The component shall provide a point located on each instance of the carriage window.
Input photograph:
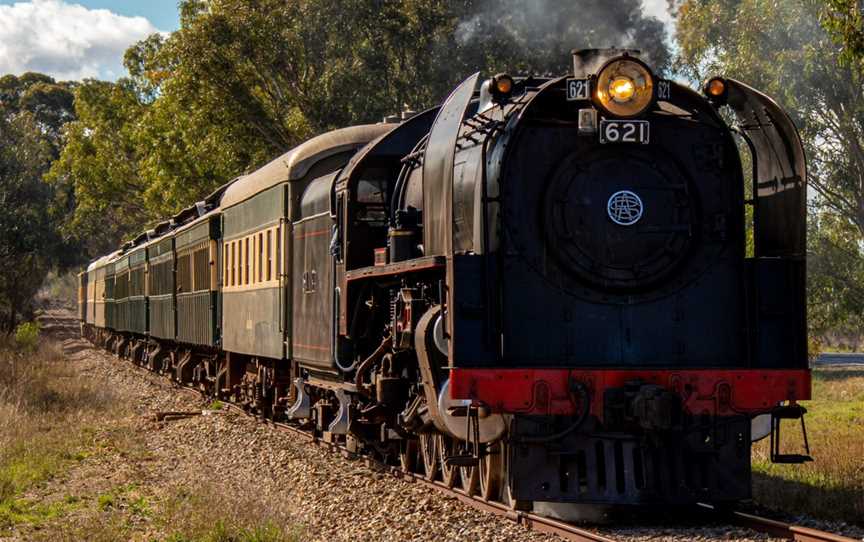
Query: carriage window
(184, 273)
(269, 256)
(260, 257)
(233, 263)
(246, 261)
(201, 268)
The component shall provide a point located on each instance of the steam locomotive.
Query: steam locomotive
(548, 291)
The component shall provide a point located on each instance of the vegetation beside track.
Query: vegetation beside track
(832, 486)
(52, 423)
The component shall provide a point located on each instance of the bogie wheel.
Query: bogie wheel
(469, 476)
(490, 473)
(447, 447)
(409, 449)
(429, 452)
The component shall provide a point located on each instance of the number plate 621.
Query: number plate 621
(624, 131)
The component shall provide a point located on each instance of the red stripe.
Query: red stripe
(312, 347)
(547, 391)
(311, 234)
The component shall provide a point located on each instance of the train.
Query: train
(553, 292)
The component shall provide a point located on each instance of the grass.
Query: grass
(208, 516)
(831, 487)
(204, 515)
(43, 408)
(52, 420)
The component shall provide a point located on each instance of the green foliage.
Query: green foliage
(844, 19)
(781, 48)
(27, 336)
(33, 110)
(49, 102)
(242, 81)
(100, 164)
(28, 240)
(835, 270)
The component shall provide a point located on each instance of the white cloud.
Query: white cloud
(67, 41)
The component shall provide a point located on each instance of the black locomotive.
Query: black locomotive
(548, 290)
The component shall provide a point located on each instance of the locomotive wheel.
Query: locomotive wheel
(409, 450)
(506, 492)
(469, 476)
(429, 451)
(447, 447)
(489, 473)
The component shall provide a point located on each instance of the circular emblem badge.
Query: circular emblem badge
(624, 208)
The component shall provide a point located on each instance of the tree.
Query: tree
(27, 237)
(844, 19)
(50, 103)
(836, 275)
(100, 161)
(243, 81)
(781, 48)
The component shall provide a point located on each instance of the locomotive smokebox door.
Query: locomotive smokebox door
(619, 227)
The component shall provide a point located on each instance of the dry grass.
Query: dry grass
(51, 421)
(45, 413)
(207, 515)
(831, 487)
(210, 516)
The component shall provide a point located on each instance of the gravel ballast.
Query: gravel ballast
(326, 495)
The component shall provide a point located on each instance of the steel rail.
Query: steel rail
(775, 527)
(531, 521)
(786, 530)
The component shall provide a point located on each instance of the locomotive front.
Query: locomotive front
(624, 304)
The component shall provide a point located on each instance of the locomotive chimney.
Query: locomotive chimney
(588, 61)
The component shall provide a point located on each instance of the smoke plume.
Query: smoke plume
(538, 35)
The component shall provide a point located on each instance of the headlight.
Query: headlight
(625, 87)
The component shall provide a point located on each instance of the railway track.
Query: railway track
(565, 530)
(785, 530)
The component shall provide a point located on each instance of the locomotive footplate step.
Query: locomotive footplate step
(788, 412)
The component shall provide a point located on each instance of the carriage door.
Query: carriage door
(312, 281)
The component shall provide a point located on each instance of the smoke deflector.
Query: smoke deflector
(779, 172)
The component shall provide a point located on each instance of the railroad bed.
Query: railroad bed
(330, 494)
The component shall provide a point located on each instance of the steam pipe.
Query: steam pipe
(402, 180)
(367, 363)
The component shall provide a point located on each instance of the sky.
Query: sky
(77, 39)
